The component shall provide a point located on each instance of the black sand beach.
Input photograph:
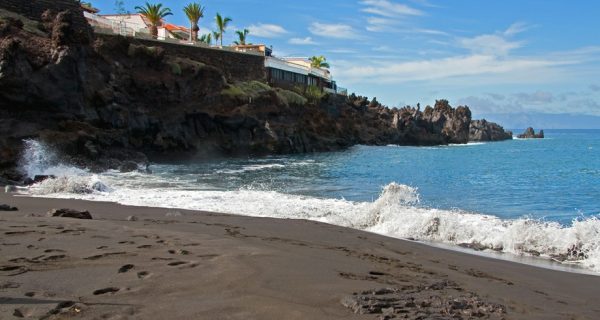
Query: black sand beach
(156, 263)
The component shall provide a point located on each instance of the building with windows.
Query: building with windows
(298, 72)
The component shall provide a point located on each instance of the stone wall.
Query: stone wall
(33, 9)
(235, 66)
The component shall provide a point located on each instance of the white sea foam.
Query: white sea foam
(39, 159)
(395, 213)
(255, 167)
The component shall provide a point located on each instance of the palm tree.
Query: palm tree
(242, 35)
(154, 13)
(216, 35)
(222, 25)
(319, 62)
(206, 38)
(194, 11)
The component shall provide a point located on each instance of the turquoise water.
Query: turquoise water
(557, 178)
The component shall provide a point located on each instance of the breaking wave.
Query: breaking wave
(396, 212)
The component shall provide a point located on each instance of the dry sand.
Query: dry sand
(178, 264)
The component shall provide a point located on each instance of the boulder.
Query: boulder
(5, 207)
(69, 213)
(530, 134)
(128, 166)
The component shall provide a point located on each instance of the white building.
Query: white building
(135, 24)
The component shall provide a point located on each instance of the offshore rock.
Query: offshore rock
(483, 130)
(530, 134)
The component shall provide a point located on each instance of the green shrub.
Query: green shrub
(291, 97)
(314, 94)
(249, 89)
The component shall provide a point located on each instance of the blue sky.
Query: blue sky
(500, 58)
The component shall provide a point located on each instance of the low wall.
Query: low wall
(236, 66)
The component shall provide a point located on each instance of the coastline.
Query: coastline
(220, 266)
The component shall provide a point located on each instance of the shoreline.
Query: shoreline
(222, 266)
(533, 261)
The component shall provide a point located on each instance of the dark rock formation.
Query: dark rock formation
(69, 213)
(482, 130)
(530, 134)
(115, 103)
(5, 207)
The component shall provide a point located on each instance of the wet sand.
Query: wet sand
(179, 264)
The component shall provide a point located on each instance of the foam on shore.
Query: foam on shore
(396, 212)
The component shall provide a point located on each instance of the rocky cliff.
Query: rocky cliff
(104, 102)
(483, 130)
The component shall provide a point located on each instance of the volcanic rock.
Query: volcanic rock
(530, 134)
(5, 207)
(69, 213)
(483, 130)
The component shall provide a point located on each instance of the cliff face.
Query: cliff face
(108, 101)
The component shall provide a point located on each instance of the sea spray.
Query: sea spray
(39, 159)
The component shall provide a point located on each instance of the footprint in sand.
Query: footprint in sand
(53, 250)
(17, 313)
(143, 274)
(55, 257)
(179, 251)
(104, 255)
(176, 263)
(12, 270)
(125, 268)
(106, 290)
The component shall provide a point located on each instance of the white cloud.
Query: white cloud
(484, 105)
(451, 67)
(535, 98)
(302, 41)
(342, 31)
(516, 28)
(389, 9)
(378, 24)
(489, 44)
(266, 30)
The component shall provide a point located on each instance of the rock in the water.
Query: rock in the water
(69, 213)
(483, 130)
(5, 207)
(530, 134)
(128, 166)
(132, 218)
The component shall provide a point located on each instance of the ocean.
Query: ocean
(525, 197)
